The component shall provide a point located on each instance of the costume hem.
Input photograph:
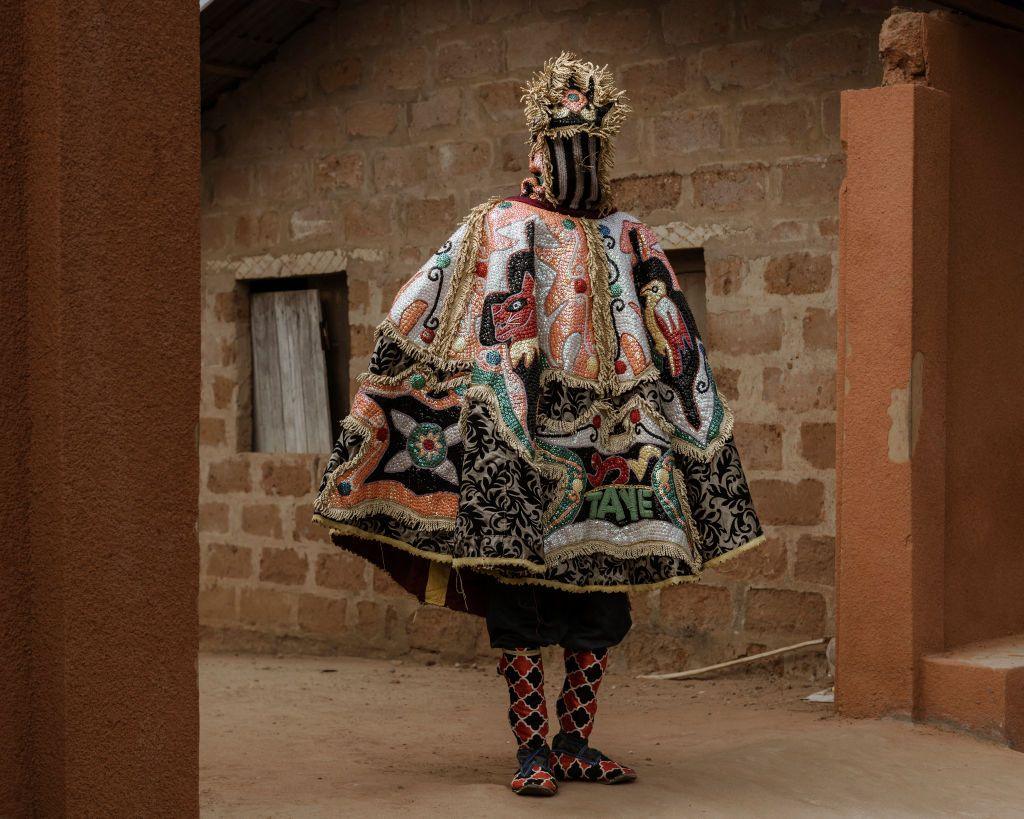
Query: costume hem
(482, 564)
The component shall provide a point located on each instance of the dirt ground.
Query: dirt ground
(297, 737)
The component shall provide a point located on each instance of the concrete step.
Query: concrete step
(979, 688)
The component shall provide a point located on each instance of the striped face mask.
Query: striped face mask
(575, 180)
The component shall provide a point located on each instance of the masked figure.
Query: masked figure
(540, 432)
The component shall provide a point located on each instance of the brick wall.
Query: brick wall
(379, 126)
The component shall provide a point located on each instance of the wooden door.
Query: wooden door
(291, 410)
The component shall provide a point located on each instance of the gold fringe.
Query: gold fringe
(640, 549)
(454, 562)
(739, 550)
(379, 506)
(616, 387)
(600, 303)
(343, 529)
(463, 274)
(388, 330)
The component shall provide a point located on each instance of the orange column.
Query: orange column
(891, 384)
(99, 343)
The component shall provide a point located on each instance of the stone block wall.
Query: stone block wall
(378, 126)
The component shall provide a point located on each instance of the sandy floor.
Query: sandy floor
(337, 737)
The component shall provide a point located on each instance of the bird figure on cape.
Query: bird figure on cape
(670, 325)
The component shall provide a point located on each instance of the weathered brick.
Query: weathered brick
(341, 571)
(370, 618)
(443, 107)
(760, 444)
(798, 273)
(468, 60)
(688, 130)
(217, 604)
(212, 432)
(605, 33)
(656, 86)
(322, 616)
(338, 74)
(213, 517)
(739, 65)
(403, 68)
(776, 123)
(695, 607)
(765, 561)
(306, 530)
(500, 101)
(263, 519)
(258, 230)
(818, 444)
(367, 222)
(901, 45)
(232, 184)
(798, 389)
(812, 181)
(778, 14)
(727, 380)
(643, 194)
(746, 331)
(684, 22)
(228, 560)
(283, 180)
(230, 475)
(267, 608)
(371, 118)
(788, 503)
(383, 585)
(430, 218)
(284, 478)
(226, 305)
(284, 88)
(819, 329)
(286, 566)
(399, 168)
(316, 221)
(339, 172)
(512, 151)
(816, 559)
(361, 339)
(453, 633)
(724, 276)
(827, 55)
(730, 188)
(783, 611)
(462, 158)
(316, 128)
(223, 391)
(651, 652)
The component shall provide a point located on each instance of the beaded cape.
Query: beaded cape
(539, 406)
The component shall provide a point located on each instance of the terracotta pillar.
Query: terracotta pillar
(891, 417)
(99, 344)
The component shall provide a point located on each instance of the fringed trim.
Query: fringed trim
(618, 587)
(455, 562)
(388, 330)
(633, 551)
(545, 89)
(393, 509)
(428, 373)
(463, 273)
(600, 304)
(353, 425)
(715, 562)
(617, 386)
(486, 396)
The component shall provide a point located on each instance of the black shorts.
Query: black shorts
(531, 616)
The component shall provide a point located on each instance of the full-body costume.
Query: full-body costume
(540, 431)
